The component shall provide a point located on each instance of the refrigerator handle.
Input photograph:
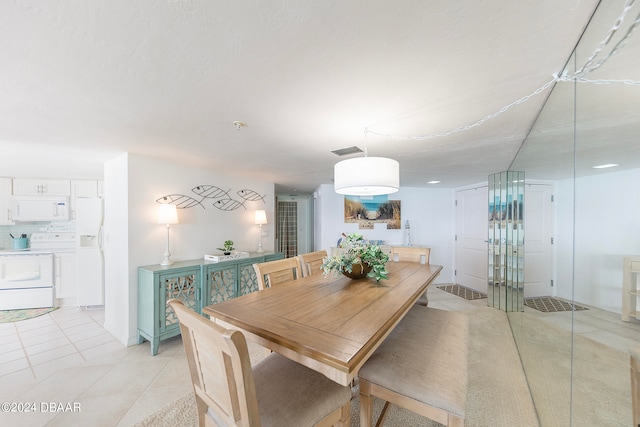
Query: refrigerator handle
(100, 231)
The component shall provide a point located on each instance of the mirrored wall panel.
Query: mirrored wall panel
(586, 145)
(505, 287)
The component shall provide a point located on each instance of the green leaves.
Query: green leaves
(356, 250)
(227, 246)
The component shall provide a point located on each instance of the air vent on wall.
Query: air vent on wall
(347, 151)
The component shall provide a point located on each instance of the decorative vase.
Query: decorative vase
(358, 271)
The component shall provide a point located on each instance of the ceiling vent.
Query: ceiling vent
(347, 151)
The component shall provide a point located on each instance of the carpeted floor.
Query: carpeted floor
(577, 382)
(498, 394)
(7, 316)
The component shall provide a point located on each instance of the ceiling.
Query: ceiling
(83, 81)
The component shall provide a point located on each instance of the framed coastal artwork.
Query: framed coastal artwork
(369, 210)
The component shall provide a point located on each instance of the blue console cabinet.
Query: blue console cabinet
(197, 283)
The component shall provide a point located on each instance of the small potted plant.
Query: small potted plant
(227, 247)
(357, 258)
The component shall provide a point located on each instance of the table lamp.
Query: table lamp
(167, 214)
(261, 218)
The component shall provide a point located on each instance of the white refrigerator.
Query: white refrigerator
(90, 261)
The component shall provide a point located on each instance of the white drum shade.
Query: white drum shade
(366, 176)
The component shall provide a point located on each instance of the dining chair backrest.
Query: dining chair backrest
(410, 253)
(213, 354)
(275, 391)
(311, 262)
(272, 273)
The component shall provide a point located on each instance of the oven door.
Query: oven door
(25, 271)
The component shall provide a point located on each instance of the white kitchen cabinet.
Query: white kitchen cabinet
(65, 277)
(84, 188)
(41, 187)
(5, 202)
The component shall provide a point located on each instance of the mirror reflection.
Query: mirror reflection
(576, 359)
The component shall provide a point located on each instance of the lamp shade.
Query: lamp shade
(167, 214)
(261, 217)
(366, 176)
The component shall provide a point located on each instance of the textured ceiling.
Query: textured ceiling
(83, 81)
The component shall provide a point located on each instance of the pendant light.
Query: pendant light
(366, 176)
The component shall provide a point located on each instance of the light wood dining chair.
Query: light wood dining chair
(412, 254)
(275, 392)
(311, 262)
(272, 273)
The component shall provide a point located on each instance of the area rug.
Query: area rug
(498, 395)
(7, 316)
(463, 292)
(552, 304)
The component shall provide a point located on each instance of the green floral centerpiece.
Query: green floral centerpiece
(227, 247)
(357, 258)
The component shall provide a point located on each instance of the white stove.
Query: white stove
(53, 241)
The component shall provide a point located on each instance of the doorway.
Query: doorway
(294, 225)
(538, 240)
(472, 228)
(472, 224)
(287, 228)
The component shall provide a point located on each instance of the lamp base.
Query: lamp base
(166, 262)
(260, 250)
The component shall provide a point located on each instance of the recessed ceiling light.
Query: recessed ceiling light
(608, 165)
(433, 182)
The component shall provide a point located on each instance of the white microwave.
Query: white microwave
(40, 208)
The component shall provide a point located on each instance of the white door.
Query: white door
(472, 230)
(538, 232)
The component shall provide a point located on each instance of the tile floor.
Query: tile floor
(65, 357)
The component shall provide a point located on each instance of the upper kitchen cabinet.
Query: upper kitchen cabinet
(41, 187)
(5, 202)
(84, 188)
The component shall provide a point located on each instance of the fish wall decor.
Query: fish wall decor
(251, 195)
(224, 202)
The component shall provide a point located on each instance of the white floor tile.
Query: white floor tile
(13, 366)
(53, 355)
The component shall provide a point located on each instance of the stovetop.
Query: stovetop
(53, 241)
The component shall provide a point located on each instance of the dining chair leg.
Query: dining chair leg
(366, 405)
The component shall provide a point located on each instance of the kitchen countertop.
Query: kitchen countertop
(28, 251)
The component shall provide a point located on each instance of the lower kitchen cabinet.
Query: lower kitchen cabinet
(65, 277)
(196, 283)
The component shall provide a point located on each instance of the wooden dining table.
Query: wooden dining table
(330, 324)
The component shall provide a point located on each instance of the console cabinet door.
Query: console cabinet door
(247, 279)
(179, 285)
(220, 283)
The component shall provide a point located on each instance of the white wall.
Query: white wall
(132, 185)
(430, 213)
(118, 292)
(607, 228)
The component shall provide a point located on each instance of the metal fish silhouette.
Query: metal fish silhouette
(180, 200)
(228, 204)
(251, 195)
(210, 191)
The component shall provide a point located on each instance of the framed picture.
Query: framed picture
(368, 210)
